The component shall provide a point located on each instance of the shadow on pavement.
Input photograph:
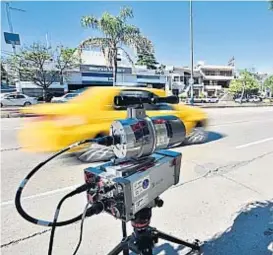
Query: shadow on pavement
(214, 136)
(250, 234)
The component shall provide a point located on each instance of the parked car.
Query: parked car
(254, 99)
(64, 98)
(17, 99)
(238, 100)
(91, 114)
(195, 100)
(212, 99)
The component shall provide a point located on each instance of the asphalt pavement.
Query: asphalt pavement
(224, 197)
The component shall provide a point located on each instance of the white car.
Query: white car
(16, 99)
(254, 99)
(64, 98)
(212, 99)
(238, 100)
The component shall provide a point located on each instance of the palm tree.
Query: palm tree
(116, 33)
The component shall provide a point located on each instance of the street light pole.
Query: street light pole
(191, 82)
(10, 26)
(8, 8)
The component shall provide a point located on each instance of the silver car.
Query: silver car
(64, 98)
(17, 99)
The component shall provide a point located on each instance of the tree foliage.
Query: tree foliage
(147, 59)
(246, 82)
(116, 33)
(65, 59)
(42, 65)
(268, 83)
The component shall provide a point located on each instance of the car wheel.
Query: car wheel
(27, 103)
(96, 153)
(197, 136)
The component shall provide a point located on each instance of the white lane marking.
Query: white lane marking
(254, 143)
(10, 129)
(238, 122)
(44, 194)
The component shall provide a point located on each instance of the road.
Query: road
(224, 197)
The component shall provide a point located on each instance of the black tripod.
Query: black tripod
(144, 237)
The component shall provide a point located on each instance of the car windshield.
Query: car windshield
(68, 96)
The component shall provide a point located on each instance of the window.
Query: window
(136, 93)
(20, 96)
(164, 106)
(176, 78)
(10, 96)
(70, 95)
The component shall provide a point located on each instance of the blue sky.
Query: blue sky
(221, 29)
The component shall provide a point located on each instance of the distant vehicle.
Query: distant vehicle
(195, 100)
(212, 99)
(254, 99)
(238, 100)
(64, 98)
(7, 89)
(17, 99)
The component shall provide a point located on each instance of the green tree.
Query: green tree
(66, 59)
(115, 34)
(268, 83)
(147, 59)
(42, 65)
(161, 69)
(244, 84)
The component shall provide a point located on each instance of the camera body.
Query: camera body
(129, 185)
(142, 169)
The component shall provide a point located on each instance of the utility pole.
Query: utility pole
(8, 8)
(191, 81)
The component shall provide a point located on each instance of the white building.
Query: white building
(209, 80)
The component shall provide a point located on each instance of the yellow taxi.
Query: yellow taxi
(90, 115)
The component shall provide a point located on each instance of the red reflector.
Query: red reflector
(160, 121)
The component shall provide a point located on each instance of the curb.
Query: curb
(234, 106)
(15, 115)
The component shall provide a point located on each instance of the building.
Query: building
(209, 80)
(94, 71)
(215, 78)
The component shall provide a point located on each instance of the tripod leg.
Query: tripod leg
(122, 246)
(167, 237)
(124, 234)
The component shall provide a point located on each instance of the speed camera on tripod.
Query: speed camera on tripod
(143, 170)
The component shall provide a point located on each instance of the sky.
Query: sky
(221, 29)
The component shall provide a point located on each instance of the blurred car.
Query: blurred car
(91, 114)
(17, 99)
(254, 99)
(64, 98)
(195, 100)
(212, 99)
(238, 100)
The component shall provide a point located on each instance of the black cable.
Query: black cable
(81, 230)
(95, 209)
(54, 225)
(18, 205)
